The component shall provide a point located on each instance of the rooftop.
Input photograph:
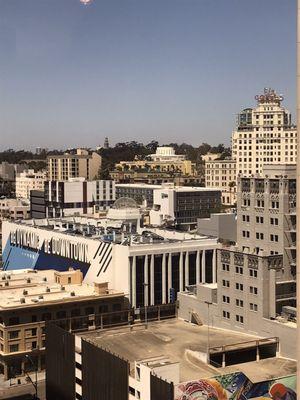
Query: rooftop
(24, 288)
(183, 342)
(110, 231)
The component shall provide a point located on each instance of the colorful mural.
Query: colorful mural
(237, 387)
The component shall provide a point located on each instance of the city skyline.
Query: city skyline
(138, 70)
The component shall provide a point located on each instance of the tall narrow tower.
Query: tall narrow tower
(298, 201)
(106, 143)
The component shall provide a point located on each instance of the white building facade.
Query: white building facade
(264, 135)
(29, 180)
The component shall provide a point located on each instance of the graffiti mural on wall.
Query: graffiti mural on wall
(237, 387)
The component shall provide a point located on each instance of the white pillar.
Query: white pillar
(146, 287)
(214, 266)
(152, 280)
(203, 279)
(186, 269)
(181, 272)
(198, 267)
(163, 279)
(169, 275)
(133, 282)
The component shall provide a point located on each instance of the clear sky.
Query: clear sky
(170, 70)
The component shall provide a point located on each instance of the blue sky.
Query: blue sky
(170, 70)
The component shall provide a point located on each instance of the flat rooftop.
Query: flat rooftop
(183, 342)
(88, 229)
(28, 288)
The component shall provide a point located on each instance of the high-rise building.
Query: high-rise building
(79, 164)
(29, 180)
(106, 143)
(264, 135)
(221, 174)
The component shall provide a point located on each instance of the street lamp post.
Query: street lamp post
(208, 341)
(34, 384)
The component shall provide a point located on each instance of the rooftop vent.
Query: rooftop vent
(22, 300)
(45, 279)
(41, 296)
(34, 300)
(28, 280)
(25, 292)
(72, 294)
(62, 288)
(6, 283)
(47, 289)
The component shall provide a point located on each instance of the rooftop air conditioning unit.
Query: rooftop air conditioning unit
(22, 300)
(63, 288)
(41, 297)
(47, 289)
(25, 292)
(72, 294)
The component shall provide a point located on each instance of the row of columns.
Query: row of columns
(149, 264)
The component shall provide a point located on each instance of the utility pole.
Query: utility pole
(298, 200)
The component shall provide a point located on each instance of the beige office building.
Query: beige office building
(30, 298)
(81, 164)
(264, 135)
(221, 174)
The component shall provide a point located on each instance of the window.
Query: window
(225, 267)
(226, 314)
(274, 221)
(260, 203)
(253, 307)
(239, 303)
(253, 290)
(246, 218)
(239, 318)
(13, 348)
(226, 299)
(259, 220)
(239, 286)
(275, 204)
(253, 273)
(226, 283)
(239, 270)
(274, 238)
(13, 334)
